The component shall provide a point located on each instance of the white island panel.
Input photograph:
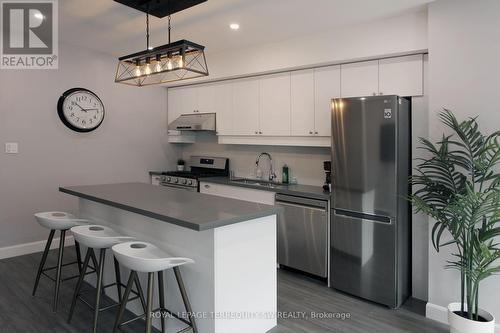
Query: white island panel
(234, 271)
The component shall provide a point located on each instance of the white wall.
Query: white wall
(401, 34)
(464, 72)
(305, 163)
(130, 142)
(404, 33)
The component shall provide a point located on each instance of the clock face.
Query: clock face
(80, 110)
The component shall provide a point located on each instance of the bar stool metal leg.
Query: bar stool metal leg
(161, 290)
(44, 259)
(59, 267)
(102, 258)
(140, 292)
(118, 279)
(79, 284)
(185, 298)
(123, 305)
(149, 306)
(78, 256)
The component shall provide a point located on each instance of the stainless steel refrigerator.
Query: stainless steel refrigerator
(370, 231)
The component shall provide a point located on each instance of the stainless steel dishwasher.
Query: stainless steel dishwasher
(303, 234)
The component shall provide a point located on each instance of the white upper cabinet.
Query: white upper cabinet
(223, 107)
(359, 79)
(401, 76)
(206, 98)
(293, 108)
(174, 104)
(246, 105)
(275, 105)
(302, 103)
(326, 87)
(182, 101)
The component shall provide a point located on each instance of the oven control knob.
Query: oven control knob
(168, 179)
(190, 182)
(176, 180)
(162, 178)
(184, 181)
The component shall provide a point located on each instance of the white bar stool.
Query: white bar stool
(147, 258)
(57, 221)
(102, 238)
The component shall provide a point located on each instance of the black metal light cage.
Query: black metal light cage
(175, 61)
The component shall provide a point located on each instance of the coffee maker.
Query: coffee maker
(327, 166)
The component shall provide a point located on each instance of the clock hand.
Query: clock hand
(80, 107)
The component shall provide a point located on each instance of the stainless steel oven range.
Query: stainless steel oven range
(200, 167)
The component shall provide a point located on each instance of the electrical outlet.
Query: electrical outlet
(11, 148)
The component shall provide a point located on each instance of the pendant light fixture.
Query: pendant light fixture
(175, 61)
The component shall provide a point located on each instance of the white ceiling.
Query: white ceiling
(113, 28)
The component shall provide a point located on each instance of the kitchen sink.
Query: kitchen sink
(257, 182)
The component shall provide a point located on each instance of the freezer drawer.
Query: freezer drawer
(363, 256)
(303, 234)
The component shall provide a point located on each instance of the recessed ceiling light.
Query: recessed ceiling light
(234, 26)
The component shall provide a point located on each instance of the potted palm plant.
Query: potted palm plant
(458, 186)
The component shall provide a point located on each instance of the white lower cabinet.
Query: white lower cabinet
(236, 192)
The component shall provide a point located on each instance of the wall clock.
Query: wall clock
(80, 110)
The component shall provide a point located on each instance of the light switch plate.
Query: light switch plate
(11, 148)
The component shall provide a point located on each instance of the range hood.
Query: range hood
(194, 122)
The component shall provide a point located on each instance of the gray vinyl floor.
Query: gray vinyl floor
(299, 296)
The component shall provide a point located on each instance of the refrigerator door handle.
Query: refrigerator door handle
(369, 217)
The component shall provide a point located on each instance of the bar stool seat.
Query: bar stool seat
(100, 237)
(57, 221)
(148, 258)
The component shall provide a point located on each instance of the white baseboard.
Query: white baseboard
(34, 247)
(440, 313)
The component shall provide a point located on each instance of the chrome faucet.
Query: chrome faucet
(272, 174)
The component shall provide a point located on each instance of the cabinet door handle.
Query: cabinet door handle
(380, 93)
(256, 132)
(206, 186)
(260, 132)
(374, 94)
(310, 132)
(315, 132)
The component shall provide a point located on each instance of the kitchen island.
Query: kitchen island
(232, 285)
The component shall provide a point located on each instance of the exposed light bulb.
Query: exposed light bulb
(147, 68)
(138, 67)
(158, 63)
(169, 64)
(181, 62)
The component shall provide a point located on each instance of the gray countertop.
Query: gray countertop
(308, 191)
(184, 208)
